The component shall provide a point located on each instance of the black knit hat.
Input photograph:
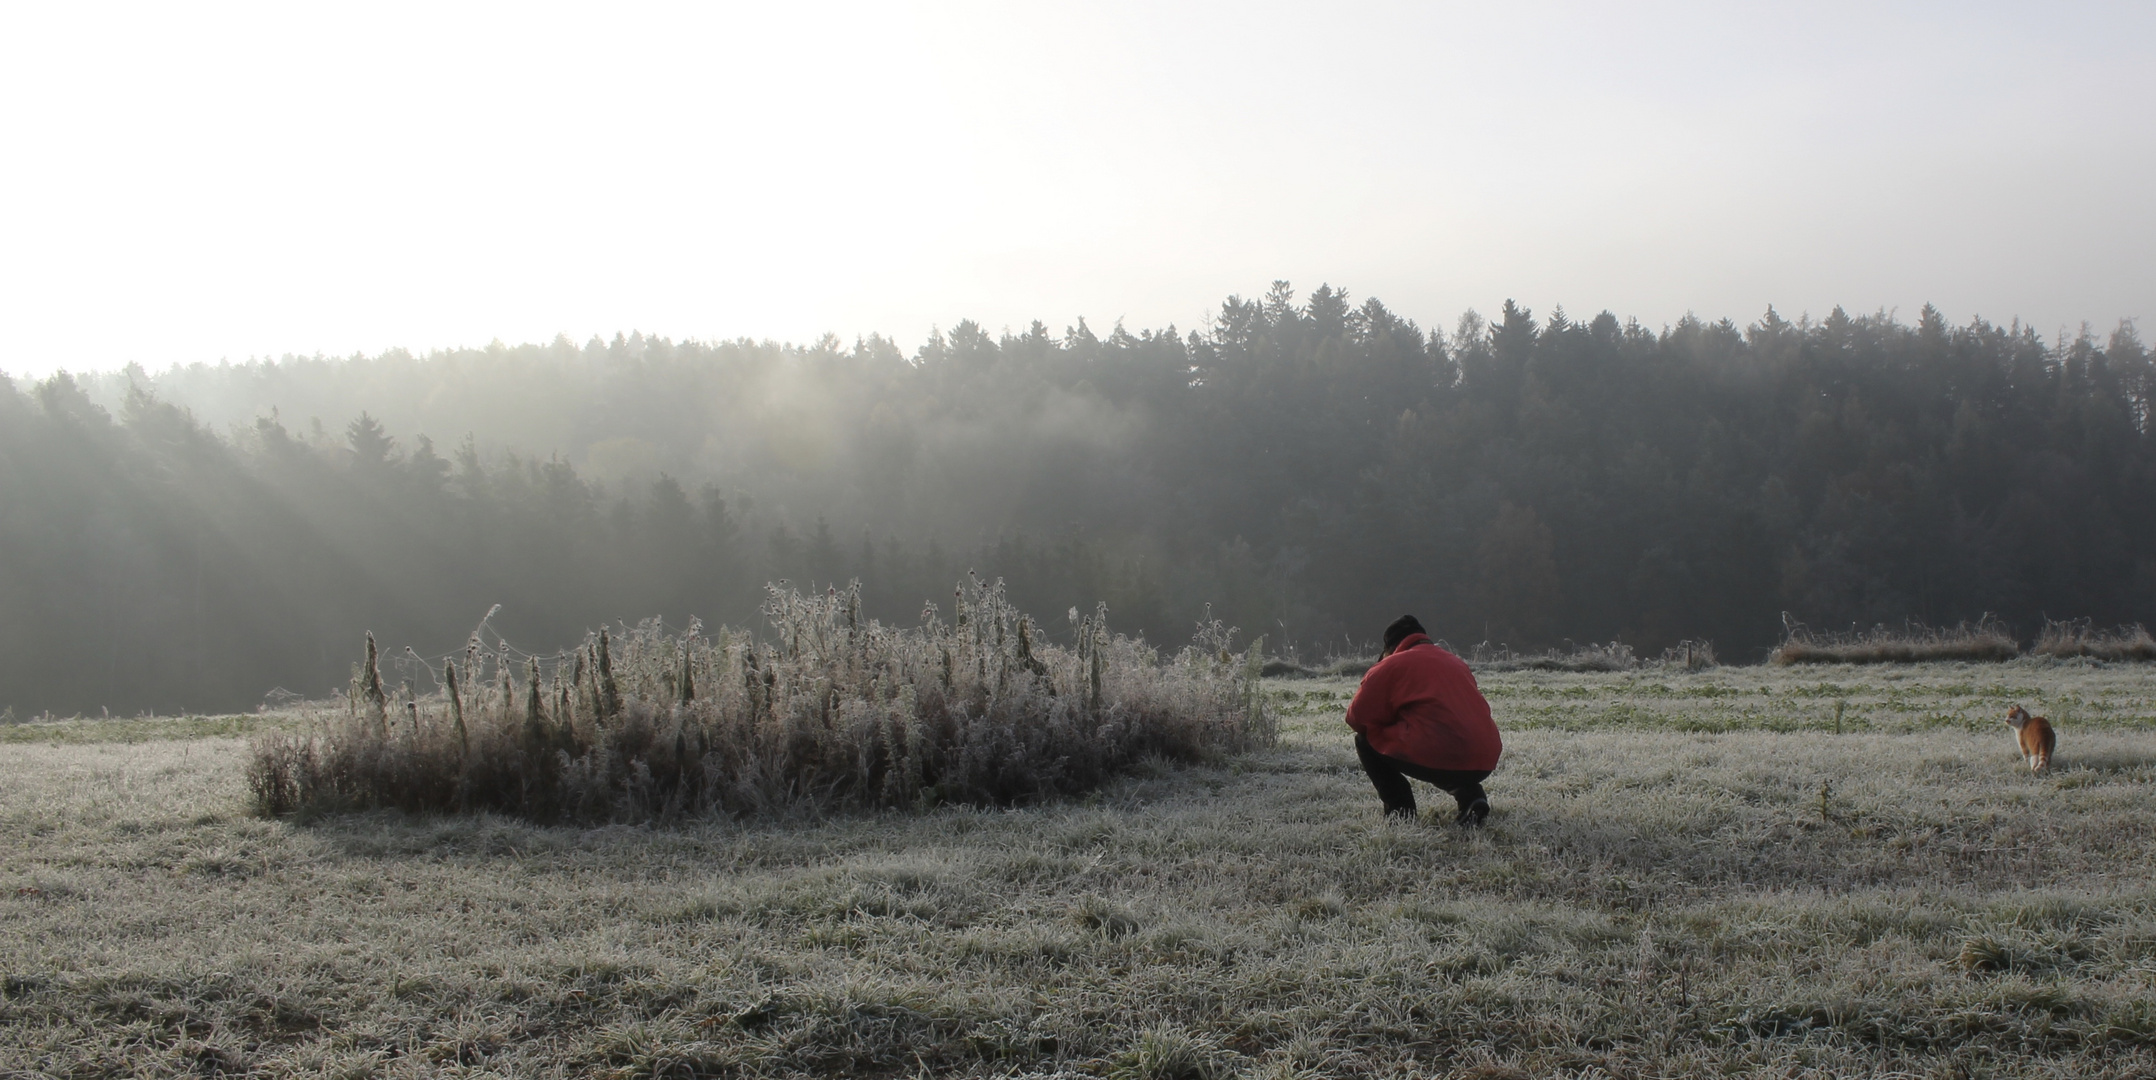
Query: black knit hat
(1399, 631)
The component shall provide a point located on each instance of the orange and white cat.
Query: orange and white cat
(2037, 738)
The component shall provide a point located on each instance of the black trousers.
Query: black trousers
(1390, 775)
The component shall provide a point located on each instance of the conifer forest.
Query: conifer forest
(1309, 466)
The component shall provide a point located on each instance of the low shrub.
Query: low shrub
(1986, 640)
(1345, 667)
(830, 711)
(2080, 638)
(1690, 656)
(1615, 656)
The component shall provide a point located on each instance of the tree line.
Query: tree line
(1308, 467)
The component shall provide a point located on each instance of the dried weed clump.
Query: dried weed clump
(2080, 637)
(831, 711)
(1986, 640)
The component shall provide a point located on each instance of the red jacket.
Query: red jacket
(1420, 705)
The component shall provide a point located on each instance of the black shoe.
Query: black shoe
(1473, 814)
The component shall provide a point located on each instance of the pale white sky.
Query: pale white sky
(185, 183)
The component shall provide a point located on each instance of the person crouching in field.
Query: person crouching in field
(1418, 713)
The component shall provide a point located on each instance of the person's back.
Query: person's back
(1419, 714)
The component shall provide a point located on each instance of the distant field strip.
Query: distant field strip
(1654, 896)
(1972, 697)
(140, 729)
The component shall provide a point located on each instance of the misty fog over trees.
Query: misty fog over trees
(195, 537)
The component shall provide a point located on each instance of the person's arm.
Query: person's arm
(1370, 707)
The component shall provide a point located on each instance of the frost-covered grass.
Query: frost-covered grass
(1686, 874)
(1986, 639)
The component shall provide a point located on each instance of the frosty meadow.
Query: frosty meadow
(1692, 872)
